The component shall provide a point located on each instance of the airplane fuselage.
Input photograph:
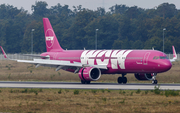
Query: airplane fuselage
(117, 61)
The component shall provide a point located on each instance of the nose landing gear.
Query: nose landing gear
(154, 81)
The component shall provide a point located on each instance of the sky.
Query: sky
(91, 4)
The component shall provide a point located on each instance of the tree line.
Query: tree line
(122, 27)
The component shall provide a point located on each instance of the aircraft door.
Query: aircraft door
(145, 59)
(55, 55)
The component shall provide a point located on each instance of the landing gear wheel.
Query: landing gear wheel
(88, 82)
(83, 82)
(119, 80)
(154, 82)
(124, 80)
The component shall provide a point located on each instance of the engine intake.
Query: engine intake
(89, 74)
(143, 76)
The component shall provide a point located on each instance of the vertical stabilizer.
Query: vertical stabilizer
(52, 44)
(174, 55)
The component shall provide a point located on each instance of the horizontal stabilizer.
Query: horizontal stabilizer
(30, 55)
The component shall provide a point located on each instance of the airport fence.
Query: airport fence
(20, 56)
(170, 56)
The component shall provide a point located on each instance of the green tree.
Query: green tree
(166, 10)
(122, 27)
(40, 9)
(154, 42)
(133, 12)
(117, 44)
(121, 9)
(77, 30)
(138, 44)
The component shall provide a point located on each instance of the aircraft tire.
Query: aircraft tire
(83, 82)
(88, 82)
(124, 80)
(154, 82)
(119, 80)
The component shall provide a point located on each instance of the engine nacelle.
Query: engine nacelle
(89, 74)
(143, 76)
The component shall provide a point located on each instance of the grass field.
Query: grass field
(83, 101)
(88, 101)
(13, 71)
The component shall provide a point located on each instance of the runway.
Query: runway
(76, 85)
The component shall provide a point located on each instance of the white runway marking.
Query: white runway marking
(65, 85)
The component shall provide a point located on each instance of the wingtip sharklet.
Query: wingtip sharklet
(5, 56)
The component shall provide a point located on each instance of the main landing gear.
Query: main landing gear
(154, 81)
(122, 79)
(85, 82)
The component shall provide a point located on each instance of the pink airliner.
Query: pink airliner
(91, 64)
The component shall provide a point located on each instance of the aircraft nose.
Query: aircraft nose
(165, 66)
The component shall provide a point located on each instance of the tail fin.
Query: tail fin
(52, 44)
(174, 53)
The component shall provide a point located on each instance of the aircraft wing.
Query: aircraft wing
(59, 64)
(54, 63)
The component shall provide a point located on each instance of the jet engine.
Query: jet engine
(89, 74)
(143, 76)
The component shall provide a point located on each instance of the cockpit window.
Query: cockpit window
(163, 57)
(160, 57)
(156, 57)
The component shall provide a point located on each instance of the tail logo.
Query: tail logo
(49, 38)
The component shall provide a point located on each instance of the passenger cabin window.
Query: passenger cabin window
(163, 57)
